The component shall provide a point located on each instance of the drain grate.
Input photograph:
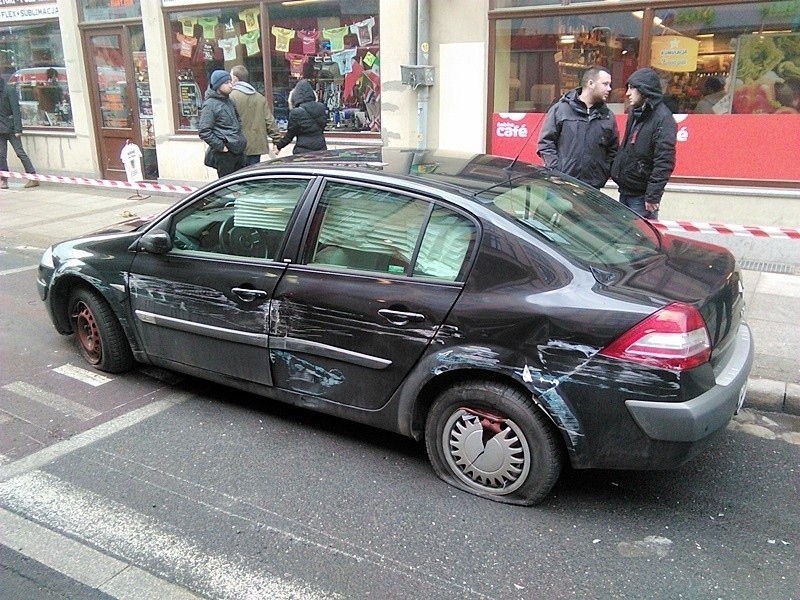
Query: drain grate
(769, 267)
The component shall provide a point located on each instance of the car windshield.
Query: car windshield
(583, 223)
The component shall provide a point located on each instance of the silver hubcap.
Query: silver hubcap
(487, 452)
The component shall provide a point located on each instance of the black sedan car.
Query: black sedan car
(511, 317)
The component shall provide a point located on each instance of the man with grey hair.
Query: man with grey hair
(258, 124)
(579, 136)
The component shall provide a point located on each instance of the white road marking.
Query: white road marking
(141, 539)
(63, 405)
(19, 270)
(51, 453)
(84, 564)
(83, 375)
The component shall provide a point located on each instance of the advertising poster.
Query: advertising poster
(767, 74)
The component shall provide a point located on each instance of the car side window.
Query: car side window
(371, 229)
(247, 218)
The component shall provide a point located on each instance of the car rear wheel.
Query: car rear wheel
(490, 440)
(98, 333)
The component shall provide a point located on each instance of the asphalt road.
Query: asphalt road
(150, 485)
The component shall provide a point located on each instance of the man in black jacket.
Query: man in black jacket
(220, 126)
(646, 158)
(579, 136)
(307, 120)
(11, 132)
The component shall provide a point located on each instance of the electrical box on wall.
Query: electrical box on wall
(416, 75)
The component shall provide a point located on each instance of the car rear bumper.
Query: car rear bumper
(698, 418)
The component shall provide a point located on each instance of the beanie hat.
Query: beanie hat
(646, 80)
(218, 77)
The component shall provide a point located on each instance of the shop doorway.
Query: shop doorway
(122, 105)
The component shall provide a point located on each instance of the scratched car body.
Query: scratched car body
(513, 319)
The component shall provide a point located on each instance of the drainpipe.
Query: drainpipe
(423, 59)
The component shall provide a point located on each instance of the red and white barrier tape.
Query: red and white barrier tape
(125, 185)
(783, 233)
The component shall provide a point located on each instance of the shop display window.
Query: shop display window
(538, 59)
(206, 40)
(336, 46)
(32, 63)
(729, 59)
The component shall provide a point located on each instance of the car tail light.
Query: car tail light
(673, 338)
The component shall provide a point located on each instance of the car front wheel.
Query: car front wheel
(98, 333)
(491, 440)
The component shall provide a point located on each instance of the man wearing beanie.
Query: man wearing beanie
(220, 126)
(646, 157)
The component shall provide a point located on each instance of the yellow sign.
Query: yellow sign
(674, 53)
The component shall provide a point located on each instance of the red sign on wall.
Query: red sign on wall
(754, 147)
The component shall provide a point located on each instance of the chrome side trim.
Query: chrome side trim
(326, 351)
(220, 333)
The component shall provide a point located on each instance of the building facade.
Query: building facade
(473, 75)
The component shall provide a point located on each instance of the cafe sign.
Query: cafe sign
(674, 53)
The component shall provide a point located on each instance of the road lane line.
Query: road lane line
(82, 375)
(59, 403)
(57, 450)
(81, 563)
(143, 540)
(19, 270)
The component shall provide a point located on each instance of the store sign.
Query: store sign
(21, 10)
(752, 147)
(674, 53)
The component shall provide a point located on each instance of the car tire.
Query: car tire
(98, 333)
(491, 440)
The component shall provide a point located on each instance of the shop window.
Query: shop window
(538, 59)
(336, 46)
(206, 40)
(723, 59)
(32, 63)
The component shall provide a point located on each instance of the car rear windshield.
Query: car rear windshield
(583, 223)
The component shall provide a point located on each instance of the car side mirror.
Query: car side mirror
(156, 241)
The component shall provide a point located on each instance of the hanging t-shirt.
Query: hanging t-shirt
(209, 25)
(207, 49)
(363, 29)
(336, 36)
(282, 38)
(187, 44)
(296, 62)
(229, 46)
(309, 39)
(350, 80)
(187, 26)
(250, 18)
(344, 60)
(250, 41)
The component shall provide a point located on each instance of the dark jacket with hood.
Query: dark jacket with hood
(307, 121)
(646, 157)
(219, 125)
(579, 141)
(10, 116)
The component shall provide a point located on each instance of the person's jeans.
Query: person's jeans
(16, 144)
(636, 204)
(252, 159)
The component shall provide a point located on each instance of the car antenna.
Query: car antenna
(510, 167)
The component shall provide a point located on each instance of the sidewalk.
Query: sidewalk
(55, 212)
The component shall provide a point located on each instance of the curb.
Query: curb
(773, 396)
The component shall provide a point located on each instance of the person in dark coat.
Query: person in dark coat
(220, 126)
(579, 136)
(307, 120)
(646, 157)
(11, 132)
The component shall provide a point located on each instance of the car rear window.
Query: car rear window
(583, 223)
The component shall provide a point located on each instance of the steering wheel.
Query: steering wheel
(241, 241)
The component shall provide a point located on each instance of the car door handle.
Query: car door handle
(249, 294)
(400, 317)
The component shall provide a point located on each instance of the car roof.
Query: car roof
(468, 172)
